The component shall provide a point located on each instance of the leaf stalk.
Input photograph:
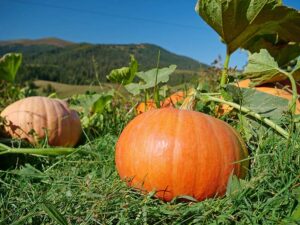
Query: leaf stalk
(224, 76)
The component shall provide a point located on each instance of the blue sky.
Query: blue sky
(173, 25)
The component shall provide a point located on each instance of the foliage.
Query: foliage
(253, 25)
(99, 113)
(124, 75)
(262, 68)
(239, 23)
(9, 91)
(150, 79)
(265, 104)
(9, 65)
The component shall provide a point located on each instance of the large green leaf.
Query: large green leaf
(124, 75)
(267, 105)
(238, 22)
(150, 78)
(262, 68)
(282, 51)
(9, 65)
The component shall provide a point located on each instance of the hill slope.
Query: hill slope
(62, 61)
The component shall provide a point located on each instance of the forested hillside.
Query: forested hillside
(58, 60)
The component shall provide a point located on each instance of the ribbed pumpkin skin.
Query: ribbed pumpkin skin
(179, 152)
(44, 116)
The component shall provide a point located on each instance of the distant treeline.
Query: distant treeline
(82, 63)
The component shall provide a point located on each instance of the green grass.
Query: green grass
(84, 188)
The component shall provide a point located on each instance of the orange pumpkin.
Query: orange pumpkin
(36, 118)
(179, 152)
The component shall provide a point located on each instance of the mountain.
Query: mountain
(78, 63)
(44, 41)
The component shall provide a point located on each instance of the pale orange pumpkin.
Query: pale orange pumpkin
(180, 152)
(36, 118)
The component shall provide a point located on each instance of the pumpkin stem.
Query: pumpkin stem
(189, 101)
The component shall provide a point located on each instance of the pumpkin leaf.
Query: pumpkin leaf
(163, 75)
(54, 214)
(124, 75)
(9, 65)
(148, 79)
(89, 104)
(99, 105)
(238, 22)
(282, 51)
(267, 105)
(262, 68)
(134, 88)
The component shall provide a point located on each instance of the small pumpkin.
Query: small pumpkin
(174, 99)
(170, 101)
(36, 118)
(179, 152)
(143, 107)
